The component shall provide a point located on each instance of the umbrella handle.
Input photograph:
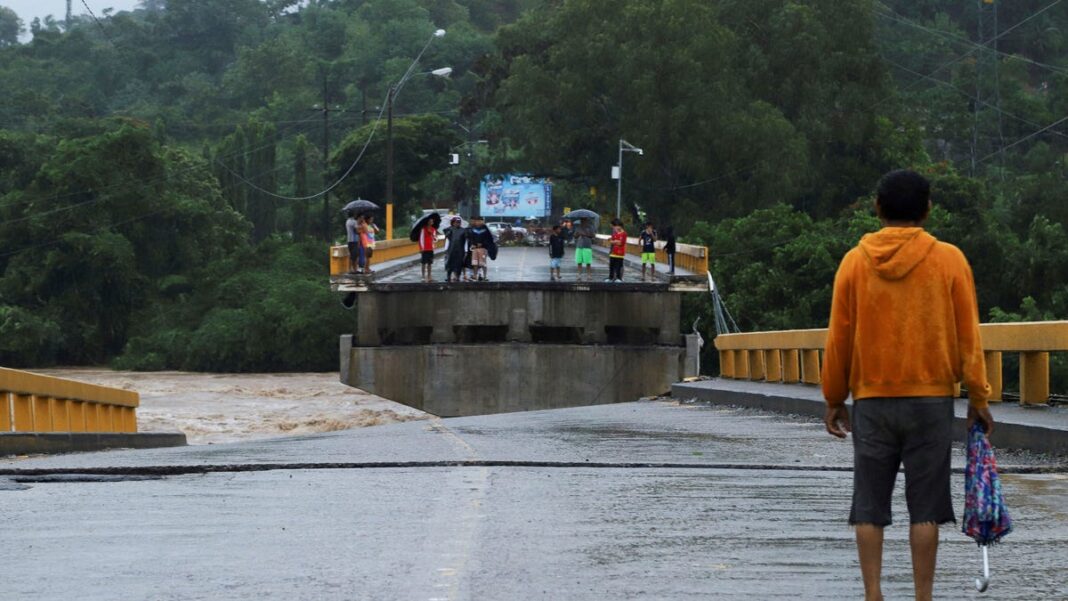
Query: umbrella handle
(981, 584)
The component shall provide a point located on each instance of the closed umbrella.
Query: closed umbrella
(360, 206)
(421, 223)
(986, 520)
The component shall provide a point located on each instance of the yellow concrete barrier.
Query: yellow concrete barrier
(690, 257)
(36, 403)
(385, 250)
(800, 352)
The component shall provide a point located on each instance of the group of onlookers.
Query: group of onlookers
(468, 249)
(360, 232)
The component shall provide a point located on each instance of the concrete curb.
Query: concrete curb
(29, 443)
(1015, 426)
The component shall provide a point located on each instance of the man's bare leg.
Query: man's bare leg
(870, 551)
(923, 539)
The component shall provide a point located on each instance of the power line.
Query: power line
(899, 18)
(1024, 139)
(969, 96)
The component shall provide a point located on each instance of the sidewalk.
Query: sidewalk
(1038, 429)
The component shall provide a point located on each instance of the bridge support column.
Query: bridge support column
(993, 375)
(443, 332)
(367, 319)
(518, 329)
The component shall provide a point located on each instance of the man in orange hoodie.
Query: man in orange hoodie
(904, 330)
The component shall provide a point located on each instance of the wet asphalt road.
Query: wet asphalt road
(551, 531)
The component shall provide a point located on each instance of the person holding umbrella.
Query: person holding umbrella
(904, 330)
(425, 233)
(352, 232)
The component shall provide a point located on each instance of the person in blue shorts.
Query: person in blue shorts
(556, 253)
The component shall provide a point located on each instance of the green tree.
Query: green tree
(10, 27)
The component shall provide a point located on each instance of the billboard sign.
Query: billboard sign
(515, 195)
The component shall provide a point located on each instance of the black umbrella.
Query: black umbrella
(360, 206)
(584, 214)
(421, 223)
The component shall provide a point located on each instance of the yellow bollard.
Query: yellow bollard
(726, 364)
(5, 411)
(42, 414)
(773, 366)
(77, 416)
(810, 366)
(791, 369)
(1034, 378)
(741, 365)
(389, 221)
(993, 375)
(756, 365)
(60, 418)
(22, 414)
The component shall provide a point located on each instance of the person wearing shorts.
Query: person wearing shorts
(556, 253)
(904, 330)
(584, 250)
(648, 241)
(352, 232)
(428, 237)
(616, 252)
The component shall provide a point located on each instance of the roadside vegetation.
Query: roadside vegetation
(140, 155)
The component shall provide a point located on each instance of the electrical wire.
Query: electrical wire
(1024, 139)
(393, 90)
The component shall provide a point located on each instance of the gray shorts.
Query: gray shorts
(916, 431)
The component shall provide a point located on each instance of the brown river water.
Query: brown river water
(215, 408)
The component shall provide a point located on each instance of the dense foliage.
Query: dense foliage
(158, 169)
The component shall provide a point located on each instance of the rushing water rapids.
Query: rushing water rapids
(213, 408)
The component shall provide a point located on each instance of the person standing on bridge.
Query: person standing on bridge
(584, 235)
(479, 242)
(456, 237)
(616, 252)
(352, 232)
(648, 241)
(904, 330)
(556, 253)
(428, 237)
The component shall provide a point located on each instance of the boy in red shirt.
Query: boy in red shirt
(427, 238)
(617, 252)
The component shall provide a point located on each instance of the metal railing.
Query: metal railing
(795, 356)
(36, 403)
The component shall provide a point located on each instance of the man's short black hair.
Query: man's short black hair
(904, 195)
(617, 222)
(556, 227)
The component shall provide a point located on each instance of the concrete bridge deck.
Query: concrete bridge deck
(647, 500)
(519, 267)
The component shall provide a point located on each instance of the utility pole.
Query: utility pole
(389, 144)
(67, 22)
(624, 146)
(326, 110)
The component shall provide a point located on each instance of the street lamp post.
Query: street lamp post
(624, 146)
(393, 90)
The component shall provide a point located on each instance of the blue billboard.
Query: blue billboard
(515, 195)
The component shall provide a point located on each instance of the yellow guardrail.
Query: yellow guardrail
(690, 257)
(35, 403)
(386, 250)
(794, 356)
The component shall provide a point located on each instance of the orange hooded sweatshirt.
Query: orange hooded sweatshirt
(904, 321)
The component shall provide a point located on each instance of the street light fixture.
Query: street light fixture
(624, 146)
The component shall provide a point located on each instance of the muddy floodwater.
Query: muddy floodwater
(215, 408)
